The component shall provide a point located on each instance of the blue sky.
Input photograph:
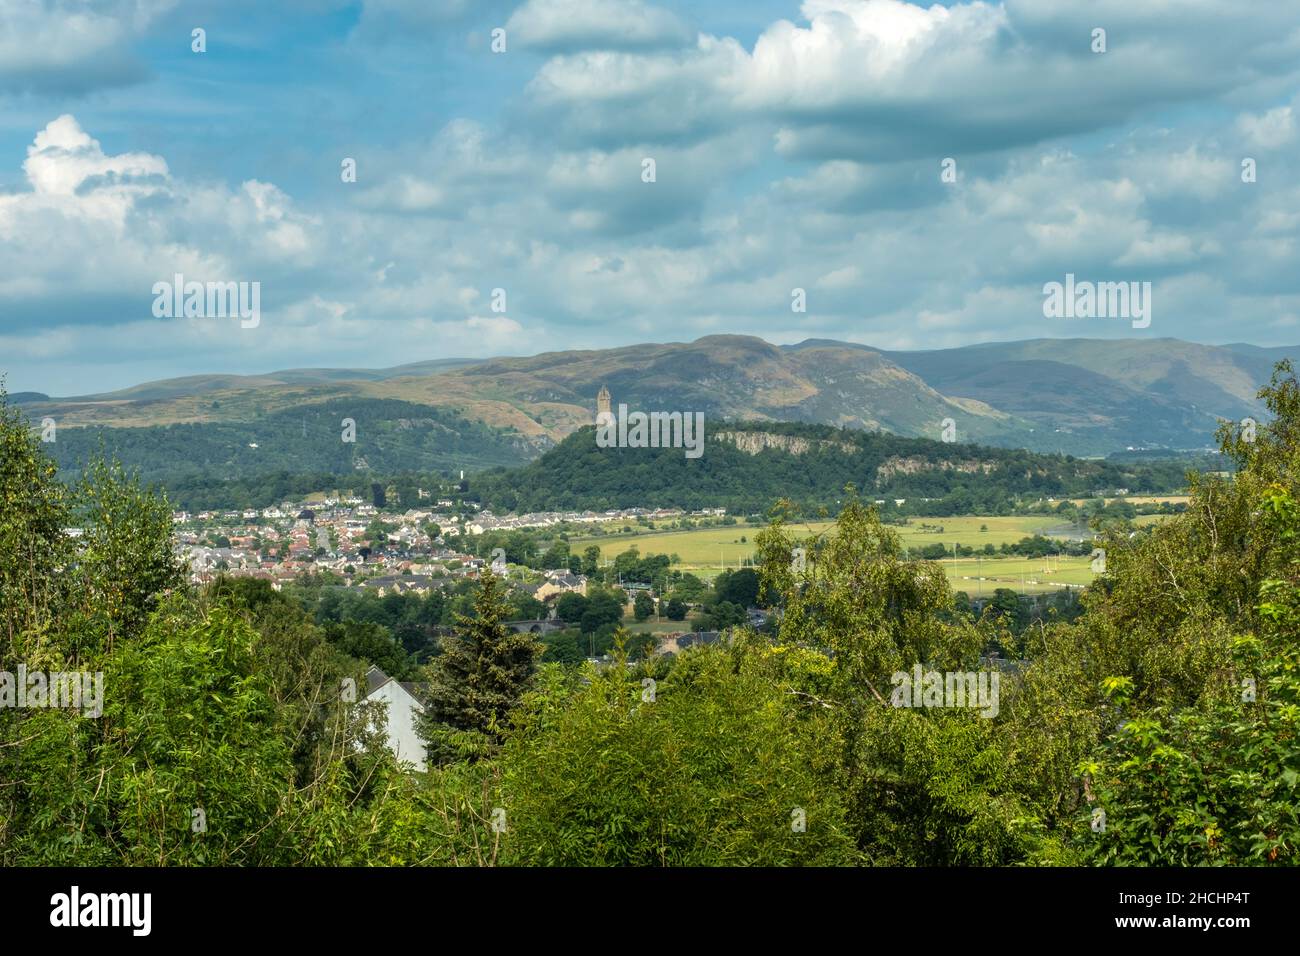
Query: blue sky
(796, 145)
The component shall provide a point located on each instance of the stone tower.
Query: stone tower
(602, 403)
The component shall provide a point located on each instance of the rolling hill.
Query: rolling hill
(1081, 397)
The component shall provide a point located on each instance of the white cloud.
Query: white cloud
(557, 25)
(71, 45)
(881, 80)
(101, 228)
(498, 329)
(1268, 130)
(846, 278)
(856, 50)
(606, 97)
(63, 157)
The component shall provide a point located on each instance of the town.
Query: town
(366, 547)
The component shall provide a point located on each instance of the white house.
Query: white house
(403, 709)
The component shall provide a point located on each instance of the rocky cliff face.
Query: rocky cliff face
(911, 466)
(754, 442)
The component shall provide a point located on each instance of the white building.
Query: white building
(404, 710)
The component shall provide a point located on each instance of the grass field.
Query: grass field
(1025, 575)
(918, 532)
(699, 548)
(1142, 499)
(706, 551)
(714, 548)
(1143, 521)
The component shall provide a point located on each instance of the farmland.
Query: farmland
(978, 576)
(706, 551)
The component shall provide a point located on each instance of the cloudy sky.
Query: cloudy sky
(795, 146)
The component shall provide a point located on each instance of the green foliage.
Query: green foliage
(719, 616)
(599, 608)
(222, 738)
(34, 510)
(482, 672)
(707, 773)
(562, 647)
(524, 607)
(643, 606)
(1217, 782)
(924, 786)
(413, 620)
(738, 587)
(373, 644)
(577, 474)
(392, 438)
(125, 562)
(571, 606)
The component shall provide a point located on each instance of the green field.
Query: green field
(919, 532)
(707, 551)
(1141, 521)
(703, 549)
(1025, 575)
(714, 548)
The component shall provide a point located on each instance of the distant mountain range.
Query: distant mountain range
(1083, 397)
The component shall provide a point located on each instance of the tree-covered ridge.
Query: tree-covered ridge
(211, 467)
(390, 436)
(578, 474)
(1159, 727)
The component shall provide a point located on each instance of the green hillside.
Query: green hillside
(391, 436)
(812, 469)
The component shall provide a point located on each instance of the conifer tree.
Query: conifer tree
(480, 676)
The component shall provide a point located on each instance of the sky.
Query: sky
(918, 172)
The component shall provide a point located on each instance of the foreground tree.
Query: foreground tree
(923, 786)
(1217, 783)
(1198, 758)
(34, 510)
(710, 764)
(1133, 735)
(484, 669)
